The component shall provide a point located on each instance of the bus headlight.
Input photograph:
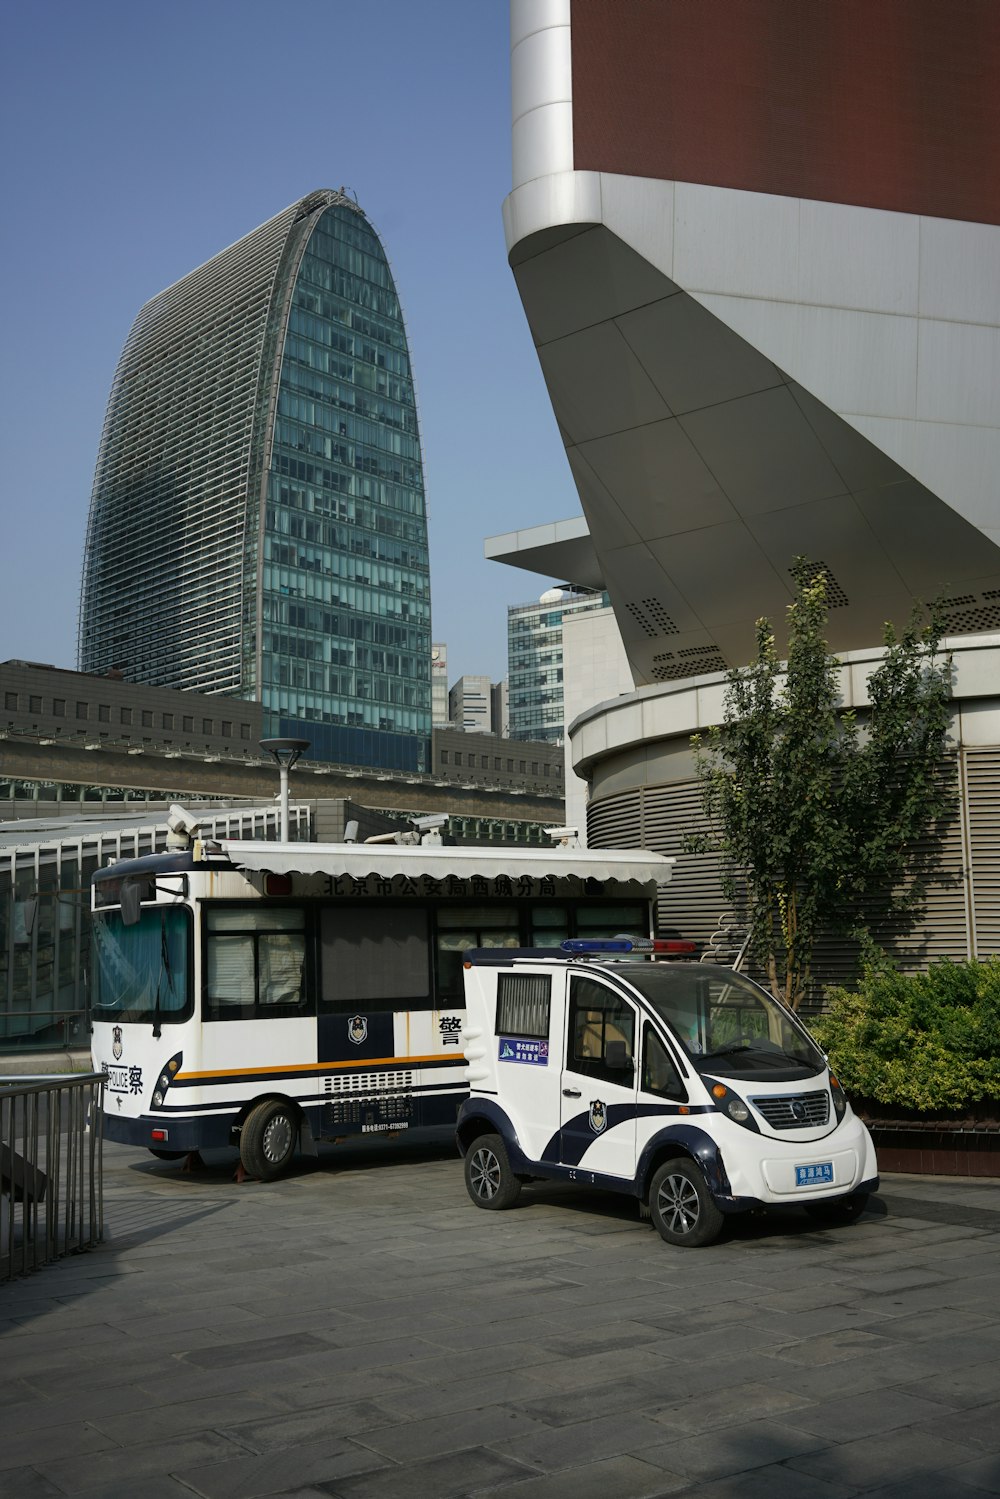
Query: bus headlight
(166, 1078)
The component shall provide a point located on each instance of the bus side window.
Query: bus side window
(374, 956)
(659, 1075)
(255, 962)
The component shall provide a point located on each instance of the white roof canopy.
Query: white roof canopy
(386, 860)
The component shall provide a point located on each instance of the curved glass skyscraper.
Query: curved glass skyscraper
(257, 526)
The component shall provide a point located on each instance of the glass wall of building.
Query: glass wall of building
(257, 526)
(345, 571)
(45, 916)
(535, 661)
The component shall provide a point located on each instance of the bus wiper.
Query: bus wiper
(164, 969)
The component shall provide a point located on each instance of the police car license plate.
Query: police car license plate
(814, 1176)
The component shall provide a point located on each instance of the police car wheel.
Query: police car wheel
(838, 1209)
(490, 1181)
(268, 1139)
(681, 1206)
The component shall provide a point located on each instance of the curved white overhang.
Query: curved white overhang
(682, 709)
(625, 866)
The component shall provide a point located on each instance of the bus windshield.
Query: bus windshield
(725, 1023)
(141, 971)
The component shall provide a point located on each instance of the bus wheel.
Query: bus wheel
(681, 1206)
(267, 1139)
(490, 1181)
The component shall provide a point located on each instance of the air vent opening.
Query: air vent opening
(808, 572)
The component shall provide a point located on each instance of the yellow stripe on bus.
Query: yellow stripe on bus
(362, 1063)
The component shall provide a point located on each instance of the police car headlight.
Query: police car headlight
(732, 1105)
(839, 1097)
(157, 1098)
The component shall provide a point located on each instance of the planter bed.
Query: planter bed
(967, 1146)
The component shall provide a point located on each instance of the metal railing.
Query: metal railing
(51, 1158)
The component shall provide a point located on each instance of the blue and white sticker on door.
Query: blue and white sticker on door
(535, 1053)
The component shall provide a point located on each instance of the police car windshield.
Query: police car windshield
(725, 1023)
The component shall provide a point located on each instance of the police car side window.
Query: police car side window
(659, 1075)
(601, 1041)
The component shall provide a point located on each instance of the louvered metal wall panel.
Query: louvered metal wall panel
(982, 779)
(659, 817)
(693, 901)
(616, 822)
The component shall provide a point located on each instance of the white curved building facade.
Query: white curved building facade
(758, 247)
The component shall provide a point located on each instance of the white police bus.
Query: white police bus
(268, 995)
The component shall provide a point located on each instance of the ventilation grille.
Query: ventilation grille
(692, 660)
(794, 1110)
(367, 1084)
(808, 572)
(651, 617)
(967, 612)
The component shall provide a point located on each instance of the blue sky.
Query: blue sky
(141, 137)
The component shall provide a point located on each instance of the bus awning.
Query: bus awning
(437, 862)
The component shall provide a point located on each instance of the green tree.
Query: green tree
(815, 813)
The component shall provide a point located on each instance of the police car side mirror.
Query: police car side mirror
(616, 1056)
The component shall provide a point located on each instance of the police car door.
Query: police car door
(598, 1094)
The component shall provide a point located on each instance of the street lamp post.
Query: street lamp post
(285, 752)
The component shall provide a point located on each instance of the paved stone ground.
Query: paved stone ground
(361, 1330)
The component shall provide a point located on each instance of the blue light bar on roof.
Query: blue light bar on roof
(607, 944)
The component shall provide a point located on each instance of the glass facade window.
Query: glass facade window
(10, 701)
(104, 712)
(298, 569)
(126, 715)
(34, 705)
(82, 710)
(59, 707)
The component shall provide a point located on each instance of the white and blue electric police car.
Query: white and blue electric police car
(684, 1085)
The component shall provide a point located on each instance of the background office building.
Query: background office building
(758, 247)
(535, 661)
(439, 686)
(470, 704)
(257, 526)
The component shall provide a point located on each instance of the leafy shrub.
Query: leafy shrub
(928, 1041)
